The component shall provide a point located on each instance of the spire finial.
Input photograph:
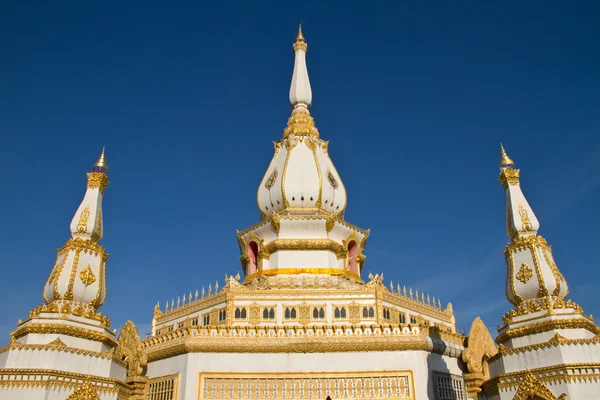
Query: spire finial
(300, 91)
(300, 37)
(505, 160)
(101, 166)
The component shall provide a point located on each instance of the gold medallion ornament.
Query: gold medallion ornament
(87, 276)
(271, 180)
(525, 273)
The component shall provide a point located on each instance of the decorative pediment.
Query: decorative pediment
(130, 350)
(480, 347)
(532, 388)
(84, 392)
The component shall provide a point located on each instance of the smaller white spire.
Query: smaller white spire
(520, 219)
(300, 91)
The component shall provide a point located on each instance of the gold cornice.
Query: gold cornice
(552, 375)
(54, 346)
(97, 180)
(509, 177)
(64, 329)
(87, 246)
(200, 339)
(34, 378)
(546, 326)
(527, 242)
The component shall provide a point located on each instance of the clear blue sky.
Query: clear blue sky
(188, 97)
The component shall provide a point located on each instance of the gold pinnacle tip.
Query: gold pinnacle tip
(300, 37)
(101, 163)
(505, 160)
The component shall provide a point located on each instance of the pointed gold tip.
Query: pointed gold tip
(101, 165)
(300, 43)
(300, 37)
(505, 160)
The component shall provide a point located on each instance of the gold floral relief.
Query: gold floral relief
(524, 274)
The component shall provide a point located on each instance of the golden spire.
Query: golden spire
(101, 165)
(505, 160)
(300, 43)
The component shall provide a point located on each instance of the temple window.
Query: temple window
(289, 313)
(195, 322)
(206, 320)
(319, 313)
(340, 313)
(269, 313)
(222, 315)
(413, 320)
(240, 313)
(448, 387)
(352, 257)
(252, 258)
(180, 325)
(170, 328)
(368, 312)
(386, 313)
(163, 388)
(402, 318)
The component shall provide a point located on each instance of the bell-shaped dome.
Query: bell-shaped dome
(301, 176)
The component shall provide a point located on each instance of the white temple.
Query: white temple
(303, 322)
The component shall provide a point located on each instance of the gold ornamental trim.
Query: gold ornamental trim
(51, 379)
(295, 271)
(546, 326)
(98, 181)
(65, 330)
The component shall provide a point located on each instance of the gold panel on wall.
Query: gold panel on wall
(391, 385)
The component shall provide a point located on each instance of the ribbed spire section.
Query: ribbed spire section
(300, 91)
(532, 272)
(79, 274)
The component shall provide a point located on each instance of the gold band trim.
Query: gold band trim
(68, 330)
(305, 244)
(546, 326)
(295, 271)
